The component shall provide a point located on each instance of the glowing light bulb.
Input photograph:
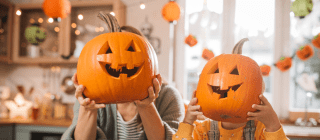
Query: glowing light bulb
(142, 6)
(18, 12)
(101, 29)
(97, 29)
(74, 25)
(112, 13)
(31, 20)
(50, 20)
(80, 17)
(309, 94)
(57, 29)
(40, 20)
(77, 32)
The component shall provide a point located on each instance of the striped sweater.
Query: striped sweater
(130, 130)
(169, 105)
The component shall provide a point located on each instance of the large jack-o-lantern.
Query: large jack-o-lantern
(118, 66)
(229, 85)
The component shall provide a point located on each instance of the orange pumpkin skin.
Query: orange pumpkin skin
(95, 64)
(305, 52)
(191, 40)
(238, 76)
(284, 64)
(171, 11)
(56, 8)
(265, 70)
(316, 41)
(207, 54)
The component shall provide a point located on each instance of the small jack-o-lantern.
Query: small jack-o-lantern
(35, 34)
(316, 41)
(207, 54)
(191, 40)
(118, 66)
(265, 70)
(305, 52)
(229, 85)
(284, 63)
(56, 8)
(171, 11)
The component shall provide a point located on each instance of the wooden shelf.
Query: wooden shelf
(57, 123)
(63, 39)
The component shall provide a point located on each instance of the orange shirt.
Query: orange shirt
(185, 132)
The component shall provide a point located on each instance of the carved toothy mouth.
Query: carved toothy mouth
(122, 70)
(223, 93)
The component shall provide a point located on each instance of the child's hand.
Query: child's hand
(153, 93)
(84, 102)
(266, 115)
(192, 111)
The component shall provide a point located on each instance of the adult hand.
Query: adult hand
(85, 102)
(153, 93)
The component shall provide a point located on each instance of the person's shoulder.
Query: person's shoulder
(168, 91)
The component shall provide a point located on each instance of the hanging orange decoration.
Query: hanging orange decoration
(191, 40)
(265, 70)
(56, 9)
(305, 52)
(207, 54)
(118, 66)
(284, 63)
(229, 85)
(171, 11)
(316, 41)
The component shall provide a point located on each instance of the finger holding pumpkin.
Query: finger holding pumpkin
(85, 102)
(75, 80)
(153, 94)
(265, 114)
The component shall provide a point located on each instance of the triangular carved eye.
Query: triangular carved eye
(217, 71)
(131, 49)
(235, 71)
(109, 51)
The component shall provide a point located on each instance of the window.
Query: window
(205, 23)
(301, 33)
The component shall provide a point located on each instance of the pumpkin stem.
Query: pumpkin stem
(111, 21)
(237, 49)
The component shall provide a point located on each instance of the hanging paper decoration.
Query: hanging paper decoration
(302, 8)
(284, 63)
(265, 70)
(56, 9)
(171, 11)
(207, 54)
(316, 41)
(35, 34)
(305, 52)
(191, 40)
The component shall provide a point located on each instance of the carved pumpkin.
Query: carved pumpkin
(265, 70)
(305, 52)
(284, 63)
(56, 8)
(229, 85)
(191, 40)
(207, 54)
(316, 41)
(117, 66)
(171, 11)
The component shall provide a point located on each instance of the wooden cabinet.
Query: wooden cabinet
(6, 14)
(63, 40)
